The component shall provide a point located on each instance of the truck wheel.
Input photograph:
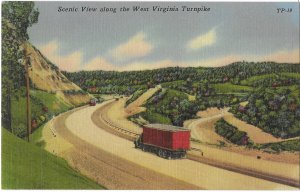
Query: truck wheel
(160, 153)
(144, 148)
(168, 155)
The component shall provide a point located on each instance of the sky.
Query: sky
(125, 41)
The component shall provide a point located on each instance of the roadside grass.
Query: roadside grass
(26, 166)
(135, 96)
(154, 117)
(230, 88)
(50, 100)
(36, 136)
(18, 110)
(290, 145)
(39, 100)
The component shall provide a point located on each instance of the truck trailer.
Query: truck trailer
(167, 141)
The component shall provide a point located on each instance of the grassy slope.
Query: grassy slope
(38, 100)
(230, 88)
(291, 145)
(253, 79)
(292, 75)
(50, 100)
(154, 117)
(26, 166)
(170, 95)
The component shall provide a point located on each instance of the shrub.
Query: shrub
(231, 133)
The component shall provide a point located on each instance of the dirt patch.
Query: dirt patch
(117, 115)
(255, 133)
(203, 129)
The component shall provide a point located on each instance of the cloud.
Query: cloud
(70, 62)
(135, 47)
(74, 61)
(202, 40)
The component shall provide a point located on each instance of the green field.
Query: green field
(291, 75)
(173, 84)
(250, 81)
(230, 88)
(26, 166)
(253, 79)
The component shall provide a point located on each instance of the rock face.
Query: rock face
(46, 76)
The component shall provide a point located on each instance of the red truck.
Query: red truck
(93, 102)
(167, 141)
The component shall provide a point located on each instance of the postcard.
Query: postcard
(150, 95)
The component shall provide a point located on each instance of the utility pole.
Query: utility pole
(28, 115)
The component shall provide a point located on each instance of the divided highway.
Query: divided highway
(184, 174)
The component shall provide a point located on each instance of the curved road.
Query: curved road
(273, 171)
(114, 162)
(103, 167)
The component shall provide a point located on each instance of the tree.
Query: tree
(21, 14)
(16, 18)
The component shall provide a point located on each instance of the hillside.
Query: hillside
(50, 91)
(26, 166)
(107, 82)
(46, 76)
(268, 102)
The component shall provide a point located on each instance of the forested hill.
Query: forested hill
(121, 81)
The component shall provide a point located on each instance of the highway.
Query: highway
(78, 128)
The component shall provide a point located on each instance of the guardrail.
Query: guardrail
(52, 130)
(122, 130)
